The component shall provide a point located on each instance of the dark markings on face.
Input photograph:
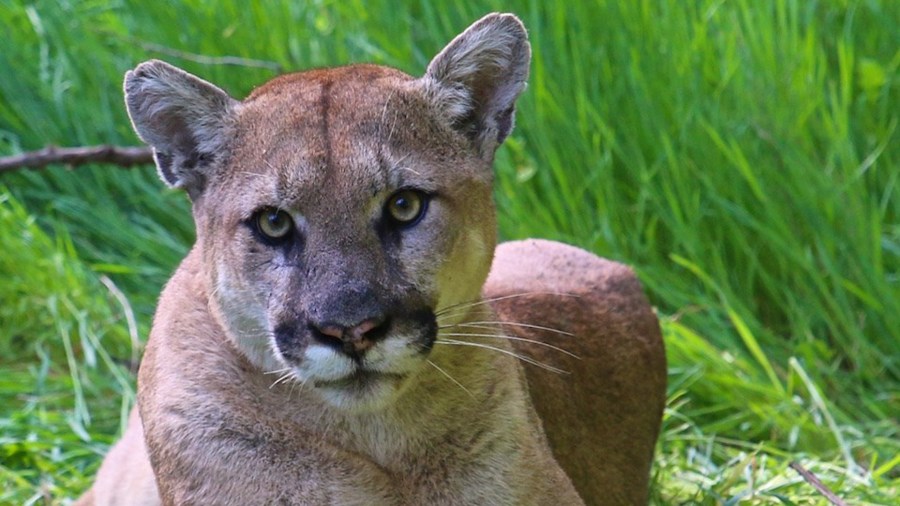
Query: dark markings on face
(418, 326)
(302, 134)
(324, 107)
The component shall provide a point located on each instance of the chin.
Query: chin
(362, 392)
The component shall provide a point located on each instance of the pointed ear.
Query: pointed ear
(476, 79)
(182, 117)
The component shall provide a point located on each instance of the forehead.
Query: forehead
(358, 129)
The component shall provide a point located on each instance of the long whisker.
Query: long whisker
(296, 381)
(451, 378)
(479, 302)
(278, 371)
(511, 338)
(383, 117)
(523, 358)
(498, 323)
(286, 376)
(465, 305)
(452, 312)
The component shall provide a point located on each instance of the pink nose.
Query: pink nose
(358, 338)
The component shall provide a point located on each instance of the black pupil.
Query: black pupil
(403, 205)
(276, 224)
(406, 207)
(276, 221)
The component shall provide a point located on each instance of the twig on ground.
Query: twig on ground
(115, 155)
(817, 484)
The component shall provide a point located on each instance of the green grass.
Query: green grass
(742, 155)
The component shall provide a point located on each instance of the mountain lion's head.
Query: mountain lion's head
(339, 211)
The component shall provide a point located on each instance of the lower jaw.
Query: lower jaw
(361, 392)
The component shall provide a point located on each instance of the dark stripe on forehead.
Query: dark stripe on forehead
(324, 107)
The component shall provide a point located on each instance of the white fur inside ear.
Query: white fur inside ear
(477, 78)
(182, 117)
(453, 101)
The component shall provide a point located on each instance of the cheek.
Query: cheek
(450, 260)
(241, 309)
(238, 275)
(462, 275)
(244, 314)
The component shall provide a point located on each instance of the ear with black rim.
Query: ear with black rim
(182, 117)
(476, 79)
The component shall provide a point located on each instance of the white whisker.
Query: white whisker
(523, 358)
(296, 381)
(499, 323)
(451, 378)
(286, 376)
(384, 117)
(464, 305)
(511, 338)
(278, 371)
(454, 311)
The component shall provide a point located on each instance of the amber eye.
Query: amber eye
(406, 207)
(274, 224)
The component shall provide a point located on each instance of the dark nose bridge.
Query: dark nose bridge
(348, 315)
(346, 305)
(344, 285)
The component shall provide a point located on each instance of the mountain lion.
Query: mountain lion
(330, 338)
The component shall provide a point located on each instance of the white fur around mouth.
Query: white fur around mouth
(393, 357)
(322, 364)
(347, 384)
(325, 367)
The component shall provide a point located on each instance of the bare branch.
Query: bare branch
(817, 484)
(213, 60)
(115, 155)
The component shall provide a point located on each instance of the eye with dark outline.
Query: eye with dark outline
(406, 207)
(273, 225)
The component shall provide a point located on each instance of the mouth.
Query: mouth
(359, 379)
(369, 378)
(362, 390)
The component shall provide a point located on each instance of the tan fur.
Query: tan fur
(602, 418)
(263, 381)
